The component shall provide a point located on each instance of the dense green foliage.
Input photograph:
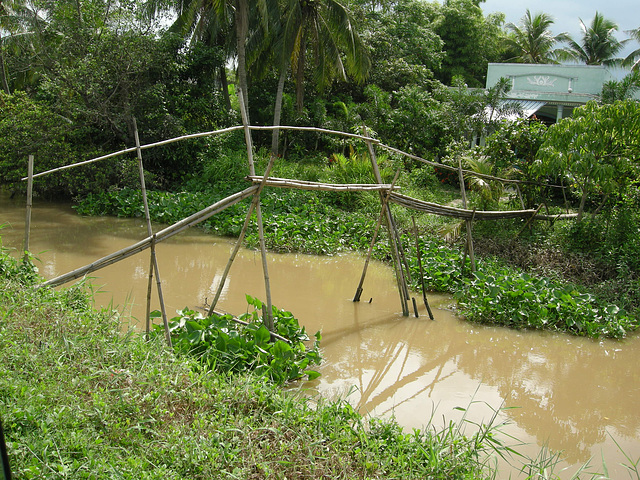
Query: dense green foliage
(80, 398)
(226, 346)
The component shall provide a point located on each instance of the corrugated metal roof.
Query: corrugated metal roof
(528, 108)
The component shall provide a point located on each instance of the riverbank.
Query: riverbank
(82, 399)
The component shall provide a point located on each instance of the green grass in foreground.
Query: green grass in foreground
(79, 398)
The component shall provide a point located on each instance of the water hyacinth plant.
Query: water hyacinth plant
(227, 346)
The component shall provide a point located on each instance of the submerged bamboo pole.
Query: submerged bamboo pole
(356, 297)
(254, 203)
(263, 248)
(162, 235)
(150, 287)
(419, 257)
(402, 288)
(147, 216)
(27, 223)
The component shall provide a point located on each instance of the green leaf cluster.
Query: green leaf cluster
(518, 300)
(226, 346)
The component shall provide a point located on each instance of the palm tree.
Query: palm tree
(531, 39)
(598, 46)
(8, 24)
(326, 28)
(633, 59)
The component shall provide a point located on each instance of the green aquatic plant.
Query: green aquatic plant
(224, 345)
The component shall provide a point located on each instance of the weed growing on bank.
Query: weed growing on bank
(80, 398)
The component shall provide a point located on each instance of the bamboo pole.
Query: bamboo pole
(263, 249)
(528, 222)
(356, 297)
(468, 172)
(419, 257)
(150, 286)
(402, 289)
(147, 217)
(467, 222)
(162, 235)
(256, 199)
(317, 186)
(27, 223)
(464, 256)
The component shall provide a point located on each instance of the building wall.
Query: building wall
(569, 85)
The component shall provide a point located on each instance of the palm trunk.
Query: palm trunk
(242, 19)
(225, 87)
(300, 77)
(3, 69)
(277, 111)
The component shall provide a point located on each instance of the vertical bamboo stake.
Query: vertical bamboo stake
(358, 294)
(467, 222)
(402, 288)
(263, 249)
(466, 249)
(27, 223)
(150, 286)
(419, 257)
(154, 259)
(254, 203)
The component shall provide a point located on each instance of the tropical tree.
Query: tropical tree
(12, 31)
(596, 149)
(624, 89)
(598, 45)
(326, 28)
(471, 41)
(532, 41)
(633, 59)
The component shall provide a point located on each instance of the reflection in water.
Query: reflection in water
(572, 393)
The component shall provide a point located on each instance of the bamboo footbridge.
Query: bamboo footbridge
(388, 194)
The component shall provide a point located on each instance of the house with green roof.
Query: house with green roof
(548, 91)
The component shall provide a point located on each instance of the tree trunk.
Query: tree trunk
(277, 111)
(300, 77)
(3, 69)
(242, 19)
(225, 87)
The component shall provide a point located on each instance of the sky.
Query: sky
(567, 14)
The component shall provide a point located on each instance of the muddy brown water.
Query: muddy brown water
(574, 395)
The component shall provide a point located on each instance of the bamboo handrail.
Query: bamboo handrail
(159, 237)
(329, 187)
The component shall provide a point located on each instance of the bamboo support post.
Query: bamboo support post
(27, 223)
(421, 269)
(415, 307)
(356, 297)
(245, 226)
(531, 218)
(402, 288)
(150, 287)
(263, 249)
(467, 222)
(466, 250)
(147, 217)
